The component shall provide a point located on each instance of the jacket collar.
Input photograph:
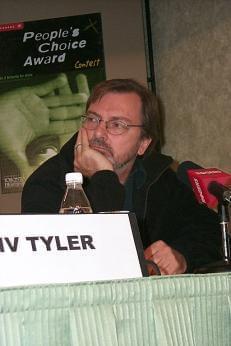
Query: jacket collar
(155, 164)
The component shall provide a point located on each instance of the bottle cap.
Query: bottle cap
(74, 177)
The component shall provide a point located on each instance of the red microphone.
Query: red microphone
(210, 185)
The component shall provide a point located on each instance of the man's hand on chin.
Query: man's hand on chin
(88, 161)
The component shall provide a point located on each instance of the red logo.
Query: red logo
(11, 27)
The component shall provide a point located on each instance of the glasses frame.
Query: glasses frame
(125, 126)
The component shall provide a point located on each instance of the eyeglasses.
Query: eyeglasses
(114, 127)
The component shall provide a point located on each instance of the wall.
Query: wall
(191, 42)
(123, 40)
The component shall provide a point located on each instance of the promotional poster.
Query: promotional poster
(47, 70)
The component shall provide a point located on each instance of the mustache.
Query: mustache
(101, 144)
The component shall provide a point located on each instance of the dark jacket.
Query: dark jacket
(165, 208)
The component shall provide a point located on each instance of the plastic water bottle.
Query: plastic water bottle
(75, 200)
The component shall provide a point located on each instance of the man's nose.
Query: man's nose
(101, 130)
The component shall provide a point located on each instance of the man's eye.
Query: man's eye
(92, 119)
(117, 124)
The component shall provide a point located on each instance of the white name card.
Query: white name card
(44, 249)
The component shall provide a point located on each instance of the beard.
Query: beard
(101, 146)
(118, 166)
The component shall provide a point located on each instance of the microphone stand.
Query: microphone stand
(225, 264)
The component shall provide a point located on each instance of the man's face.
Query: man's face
(121, 149)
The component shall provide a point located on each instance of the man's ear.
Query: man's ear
(144, 143)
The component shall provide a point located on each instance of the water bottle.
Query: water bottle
(75, 200)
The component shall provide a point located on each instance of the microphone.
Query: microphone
(210, 185)
(221, 192)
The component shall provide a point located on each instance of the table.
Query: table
(187, 310)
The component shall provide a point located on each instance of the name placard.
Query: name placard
(44, 249)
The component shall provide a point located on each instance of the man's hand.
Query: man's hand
(86, 160)
(169, 261)
(31, 112)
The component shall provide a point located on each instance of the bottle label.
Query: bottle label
(76, 210)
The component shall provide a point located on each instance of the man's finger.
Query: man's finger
(66, 113)
(84, 138)
(82, 84)
(49, 86)
(151, 250)
(62, 127)
(65, 100)
(65, 90)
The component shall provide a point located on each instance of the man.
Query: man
(115, 151)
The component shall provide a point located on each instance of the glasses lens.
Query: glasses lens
(116, 127)
(90, 122)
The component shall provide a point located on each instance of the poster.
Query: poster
(47, 70)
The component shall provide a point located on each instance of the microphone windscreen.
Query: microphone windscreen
(201, 180)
